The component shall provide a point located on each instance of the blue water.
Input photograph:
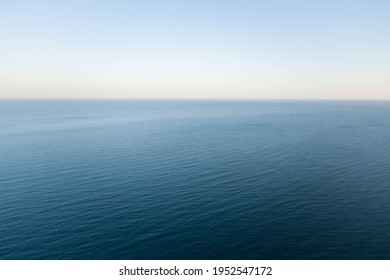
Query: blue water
(194, 180)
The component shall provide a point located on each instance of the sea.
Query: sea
(194, 179)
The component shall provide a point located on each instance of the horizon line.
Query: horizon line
(187, 99)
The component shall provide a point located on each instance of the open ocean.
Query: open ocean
(194, 179)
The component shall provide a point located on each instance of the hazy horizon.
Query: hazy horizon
(247, 50)
(186, 99)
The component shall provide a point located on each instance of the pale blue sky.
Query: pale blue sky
(195, 49)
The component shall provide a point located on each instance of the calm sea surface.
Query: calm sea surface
(194, 180)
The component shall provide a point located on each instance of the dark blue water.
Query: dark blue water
(194, 180)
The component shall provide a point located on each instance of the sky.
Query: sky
(195, 49)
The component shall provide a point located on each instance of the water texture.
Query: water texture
(194, 179)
